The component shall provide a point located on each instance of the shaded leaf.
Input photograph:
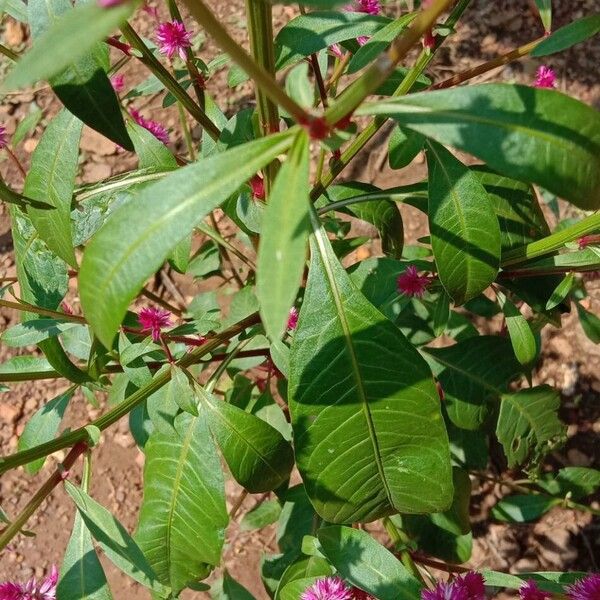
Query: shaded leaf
(519, 331)
(521, 509)
(579, 482)
(264, 514)
(569, 35)
(590, 323)
(34, 331)
(227, 588)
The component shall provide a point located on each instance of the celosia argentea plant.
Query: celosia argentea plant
(352, 396)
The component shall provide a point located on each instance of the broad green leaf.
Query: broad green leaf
(569, 35)
(545, 10)
(298, 86)
(118, 545)
(465, 235)
(525, 133)
(590, 323)
(528, 424)
(365, 563)
(368, 431)
(297, 519)
(183, 516)
(17, 9)
(65, 41)
(30, 367)
(379, 42)
(259, 458)
(152, 153)
(521, 509)
(139, 236)
(180, 391)
(473, 373)
(294, 589)
(579, 482)
(264, 514)
(307, 34)
(519, 331)
(77, 73)
(554, 582)
(405, 144)
(26, 126)
(583, 260)
(43, 426)
(302, 569)
(227, 588)
(34, 331)
(51, 178)
(283, 240)
(81, 574)
(162, 409)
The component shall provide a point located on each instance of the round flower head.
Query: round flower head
(545, 77)
(410, 283)
(469, 586)
(474, 585)
(154, 320)
(154, 127)
(587, 588)
(3, 137)
(30, 590)
(371, 7)
(118, 82)
(328, 588)
(292, 321)
(173, 37)
(530, 591)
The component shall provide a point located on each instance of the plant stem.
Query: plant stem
(314, 63)
(187, 136)
(169, 81)
(219, 239)
(16, 161)
(401, 540)
(552, 242)
(499, 61)
(26, 307)
(120, 410)
(224, 252)
(15, 526)
(8, 53)
(262, 78)
(161, 302)
(442, 566)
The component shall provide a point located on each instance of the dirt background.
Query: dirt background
(561, 540)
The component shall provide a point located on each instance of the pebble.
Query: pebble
(30, 145)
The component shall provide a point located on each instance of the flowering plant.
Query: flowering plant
(382, 392)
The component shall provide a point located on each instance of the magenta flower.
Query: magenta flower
(587, 588)
(328, 588)
(257, 185)
(154, 127)
(118, 82)
(173, 37)
(371, 7)
(292, 318)
(410, 283)
(336, 50)
(3, 137)
(469, 586)
(30, 590)
(154, 320)
(545, 77)
(110, 3)
(530, 591)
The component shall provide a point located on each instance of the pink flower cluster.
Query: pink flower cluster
(545, 78)
(333, 588)
(410, 283)
(469, 586)
(172, 37)
(46, 590)
(3, 137)
(154, 127)
(154, 320)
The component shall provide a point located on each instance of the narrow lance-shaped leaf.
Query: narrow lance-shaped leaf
(526, 133)
(590, 323)
(283, 240)
(183, 516)
(569, 35)
(528, 424)
(519, 330)
(368, 432)
(545, 10)
(51, 179)
(259, 458)
(34, 331)
(465, 235)
(139, 235)
(117, 544)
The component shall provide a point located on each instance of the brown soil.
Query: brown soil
(561, 540)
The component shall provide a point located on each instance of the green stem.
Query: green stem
(552, 242)
(187, 135)
(8, 53)
(401, 541)
(231, 356)
(15, 526)
(112, 416)
(262, 78)
(26, 307)
(169, 81)
(219, 239)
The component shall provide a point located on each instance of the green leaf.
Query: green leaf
(304, 569)
(65, 41)
(34, 331)
(259, 458)
(297, 519)
(181, 392)
(379, 42)
(365, 411)
(26, 126)
(590, 323)
(152, 153)
(549, 581)
(579, 482)
(43, 426)
(15, 8)
(227, 588)
(404, 147)
(283, 240)
(117, 544)
(519, 330)
(309, 33)
(69, 52)
(569, 35)
(528, 424)
(183, 516)
(366, 564)
(465, 235)
(473, 372)
(264, 514)
(525, 133)
(521, 509)
(27, 366)
(545, 9)
(139, 236)
(81, 574)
